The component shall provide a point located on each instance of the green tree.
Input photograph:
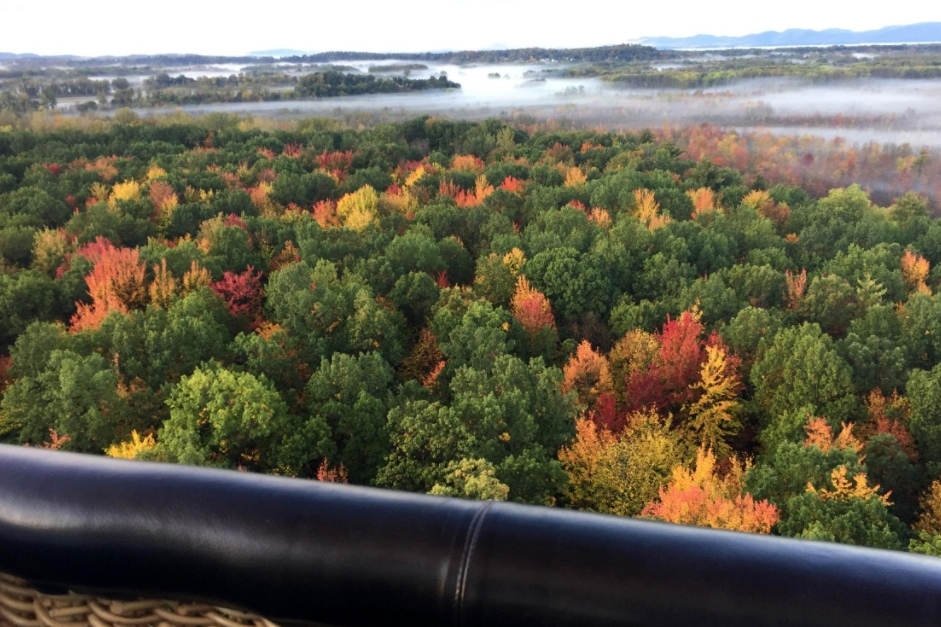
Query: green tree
(36, 203)
(514, 417)
(158, 346)
(802, 369)
(328, 313)
(236, 420)
(924, 392)
(921, 330)
(830, 301)
(850, 514)
(474, 337)
(750, 333)
(575, 284)
(26, 297)
(351, 394)
(874, 350)
(75, 395)
(471, 479)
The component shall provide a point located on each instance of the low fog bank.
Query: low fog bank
(862, 111)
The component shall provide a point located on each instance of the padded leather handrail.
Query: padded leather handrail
(296, 550)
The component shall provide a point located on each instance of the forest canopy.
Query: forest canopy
(614, 322)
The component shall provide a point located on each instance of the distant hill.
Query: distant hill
(925, 32)
(277, 53)
(8, 56)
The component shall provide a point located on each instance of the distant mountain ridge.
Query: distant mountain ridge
(924, 32)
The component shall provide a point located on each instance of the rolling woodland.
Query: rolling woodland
(692, 325)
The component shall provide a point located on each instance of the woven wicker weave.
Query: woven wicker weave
(22, 606)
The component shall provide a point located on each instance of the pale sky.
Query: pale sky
(120, 27)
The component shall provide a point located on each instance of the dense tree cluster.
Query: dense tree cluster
(693, 70)
(165, 90)
(31, 65)
(583, 319)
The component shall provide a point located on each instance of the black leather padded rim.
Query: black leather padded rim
(296, 550)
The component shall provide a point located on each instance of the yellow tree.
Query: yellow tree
(930, 505)
(163, 287)
(127, 190)
(155, 172)
(50, 248)
(704, 201)
(647, 210)
(358, 209)
(844, 489)
(195, 278)
(915, 270)
(574, 177)
(712, 416)
(619, 474)
(820, 434)
(601, 217)
(130, 449)
(757, 199)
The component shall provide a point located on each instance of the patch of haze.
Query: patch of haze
(214, 71)
(857, 136)
(869, 96)
(867, 110)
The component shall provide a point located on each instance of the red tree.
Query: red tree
(241, 293)
(666, 384)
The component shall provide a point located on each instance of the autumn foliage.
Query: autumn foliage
(702, 496)
(890, 415)
(116, 283)
(647, 210)
(666, 383)
(820, 434)
(241, 292)
(915, 270)
(704, 201)
(601, 369)
(164, 286)
(463, 198)
(712, 415)
(618, 473)
(796, 285)
(812, 162)
(587, 373)
(531, 307)
(325, 213)
(512, 185)
(358, 209)
(844, 488)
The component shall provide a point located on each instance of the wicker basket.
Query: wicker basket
(22, 606)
